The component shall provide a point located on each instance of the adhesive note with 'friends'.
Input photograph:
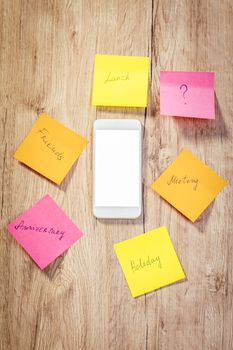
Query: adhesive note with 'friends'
(50, 148)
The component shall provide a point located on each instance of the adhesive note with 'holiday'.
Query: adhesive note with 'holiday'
(149, 261)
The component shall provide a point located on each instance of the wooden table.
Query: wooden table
(81, 301)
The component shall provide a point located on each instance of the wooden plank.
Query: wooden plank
(47, 56)
(196, 314)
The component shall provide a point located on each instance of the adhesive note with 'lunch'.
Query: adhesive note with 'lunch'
(120, 81)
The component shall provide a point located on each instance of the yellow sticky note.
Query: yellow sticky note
(120, 81)
(149, 261)
(50, 148)
(189, 185)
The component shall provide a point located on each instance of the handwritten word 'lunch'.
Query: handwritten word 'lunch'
(183, 181)
(141, 263)
(22, 226)
(44, 136)
(115, 77)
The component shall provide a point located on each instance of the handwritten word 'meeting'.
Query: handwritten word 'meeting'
(183, 181)
(22, 226)
(116, 77)
(44, 134)
(140, 263)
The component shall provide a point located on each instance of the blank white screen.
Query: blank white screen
(117, 168)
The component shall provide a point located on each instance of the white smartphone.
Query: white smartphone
(117, 164)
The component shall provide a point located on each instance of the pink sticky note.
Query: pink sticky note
(187, 94)
(44, 231)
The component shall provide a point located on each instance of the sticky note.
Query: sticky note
(189, 185)
(149, 261)
(50, 148)
(44, 231)
(120, 81)
(187, 94)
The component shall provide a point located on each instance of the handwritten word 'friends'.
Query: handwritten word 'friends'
(116, 77)
(141, 263)
(183, 181)
(44, 136)
(23, 227)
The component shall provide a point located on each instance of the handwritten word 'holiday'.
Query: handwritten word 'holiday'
(140, 264)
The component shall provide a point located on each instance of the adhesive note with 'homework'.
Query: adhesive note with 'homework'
(187, 94)
(50, 148)
(189, 185)
(149, 261)
(120, 81)
(44, 231)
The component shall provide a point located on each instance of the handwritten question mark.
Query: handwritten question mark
(186, 89)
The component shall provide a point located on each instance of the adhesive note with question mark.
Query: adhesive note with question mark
(184, 90)
(187, 94)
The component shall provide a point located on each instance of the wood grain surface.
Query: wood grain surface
(82, 301)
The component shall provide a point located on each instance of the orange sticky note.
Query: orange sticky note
(50, 148)
(189, 185)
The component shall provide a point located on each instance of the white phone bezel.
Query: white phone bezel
(118, 212)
